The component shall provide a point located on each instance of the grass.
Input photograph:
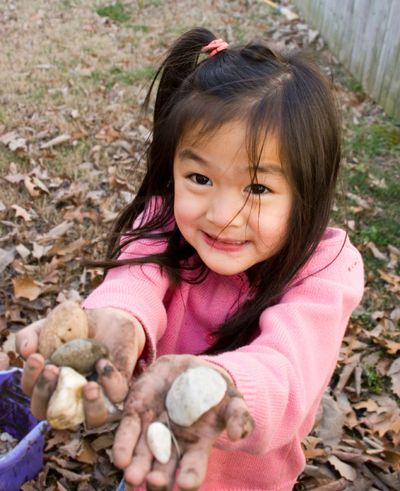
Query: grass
(116, 74)
(378, 138)
(372, 153)
(115, 12)
(375, 383)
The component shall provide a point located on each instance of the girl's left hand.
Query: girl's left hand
(146, 404)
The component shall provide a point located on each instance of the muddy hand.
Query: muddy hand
(146, 404)
(117, 330)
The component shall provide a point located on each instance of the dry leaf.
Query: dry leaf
(394, 374)
(56, 232)
(391, 279)
(108, 133)
(330, 427)
(13, 141)
(57, 437)
(39, 250)
(23, 251)
(6, 258)
(21, 212)
(55, 141)
(345, 470)
(86, 453)
(26, 287)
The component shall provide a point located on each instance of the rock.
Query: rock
(193, 393)
(159, 441)
(65, 408)
(80, 354)
(65, 322)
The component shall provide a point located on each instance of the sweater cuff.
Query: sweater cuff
(244, 382)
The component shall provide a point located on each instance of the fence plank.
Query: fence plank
(364, 35)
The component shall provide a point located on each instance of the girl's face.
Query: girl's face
(232, 223)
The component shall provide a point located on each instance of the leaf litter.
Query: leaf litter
(73, 157)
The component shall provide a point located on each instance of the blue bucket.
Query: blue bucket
(24, 461)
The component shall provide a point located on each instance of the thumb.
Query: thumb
(27, 339)
(239, 422)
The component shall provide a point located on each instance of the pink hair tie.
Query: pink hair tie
(215, 47)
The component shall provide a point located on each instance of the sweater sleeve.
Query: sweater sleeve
(283, 373)
(138, 289)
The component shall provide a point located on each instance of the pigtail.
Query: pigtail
(177, 66)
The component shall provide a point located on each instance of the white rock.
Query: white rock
(193, 393)
(159, 441)
(65, 408)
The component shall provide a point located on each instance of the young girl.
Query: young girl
(224, 259)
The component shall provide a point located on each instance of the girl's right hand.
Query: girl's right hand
(119, 331)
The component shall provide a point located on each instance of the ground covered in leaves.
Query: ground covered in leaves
(74, 74)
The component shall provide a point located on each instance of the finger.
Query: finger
(32, 369)
(125, 440)
(193, 467)
(141, 463)
(239, 422)
(43, 390)
(162, 476)
(116, 329)
(27, 340)
(113, 382)
(94, 405)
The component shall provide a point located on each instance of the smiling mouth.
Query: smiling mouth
(218, 240)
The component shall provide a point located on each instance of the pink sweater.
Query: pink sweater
(282, 374)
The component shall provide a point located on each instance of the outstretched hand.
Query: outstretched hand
(146, 404)
(123, 336)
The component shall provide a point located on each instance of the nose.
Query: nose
(225, 209)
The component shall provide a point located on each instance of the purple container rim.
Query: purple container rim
(35, 433)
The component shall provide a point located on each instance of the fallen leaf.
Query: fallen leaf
(58, 140)
(26, 287)
(330, 427)
(345, 470)
(23, 251)
(21, 212)
(13, 141)
(394, 374)
(35, 186)
(86, 453)
(6, 257)
(71, 248)
(54, 233)
(39, 250)
(108, 133)
(391, 279)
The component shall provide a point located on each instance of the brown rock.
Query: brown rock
(65, 322)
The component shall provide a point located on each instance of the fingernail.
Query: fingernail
(107, 371)
(156, 488)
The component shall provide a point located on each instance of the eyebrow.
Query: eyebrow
(264, 167)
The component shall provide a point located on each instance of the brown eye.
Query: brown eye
(257, 189)
(200, 179)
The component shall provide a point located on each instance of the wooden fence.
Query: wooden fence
(365, 37)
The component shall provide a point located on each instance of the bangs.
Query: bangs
(204, 114)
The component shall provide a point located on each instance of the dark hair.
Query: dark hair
(286, 95)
